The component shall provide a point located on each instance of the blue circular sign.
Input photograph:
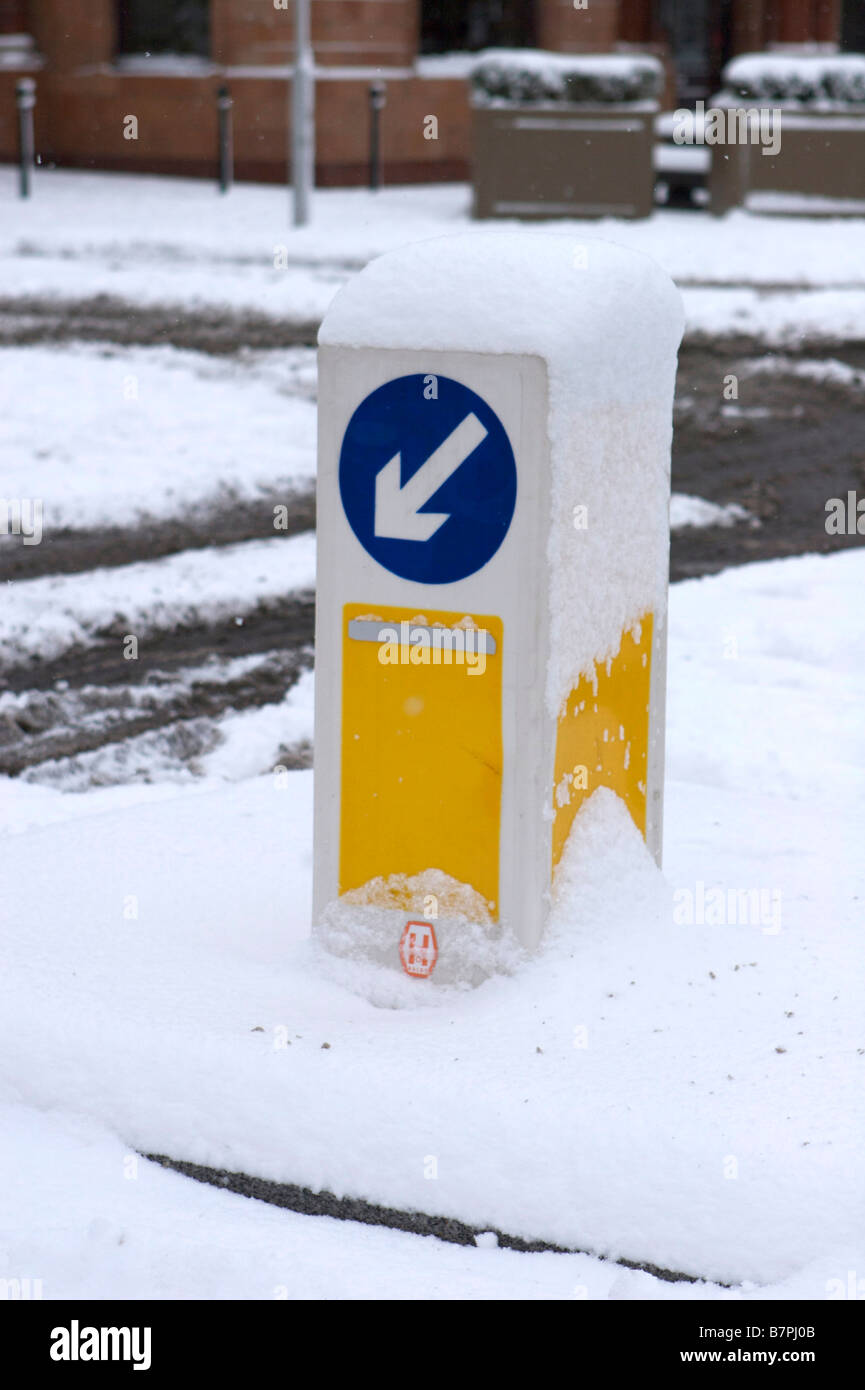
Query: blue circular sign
(428, 479)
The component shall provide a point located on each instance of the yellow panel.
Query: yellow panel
(421, 766)
(603, 735)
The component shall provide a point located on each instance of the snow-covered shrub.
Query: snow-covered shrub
(806, 79)
(526, 75)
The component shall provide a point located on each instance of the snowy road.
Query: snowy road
(171, 474)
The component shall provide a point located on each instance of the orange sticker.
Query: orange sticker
(418, 950)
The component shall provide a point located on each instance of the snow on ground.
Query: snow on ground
(175, 241)
(117, 437)
(108, 436)
(708, 1119)
(46, 616)
(98, 1222)
(133, 273)
(234, 746)
(783, 320)
(133, 218)
(686, 510)
(827, 370)
(249, 740)
(43, 618)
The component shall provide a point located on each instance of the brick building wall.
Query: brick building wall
(791, 21)
(567, 30)
(85, 91)
(344, 32)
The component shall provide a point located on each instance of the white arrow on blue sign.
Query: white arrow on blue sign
(428, 479)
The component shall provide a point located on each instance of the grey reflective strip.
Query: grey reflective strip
(481, 640)
(577, 209)
(548, 123)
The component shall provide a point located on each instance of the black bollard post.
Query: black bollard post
(25, 99)
(377, 101)
(224, 104)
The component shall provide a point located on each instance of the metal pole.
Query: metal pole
(377, 102)
(224, 104)
(25, 97)
(302, 115)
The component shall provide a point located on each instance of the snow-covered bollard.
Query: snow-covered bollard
(493, 490)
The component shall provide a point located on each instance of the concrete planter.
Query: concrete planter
(822, 158)
(562, 160)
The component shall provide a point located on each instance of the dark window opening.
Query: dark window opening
(164, 26)
(452, 26)
(853, 26)
(12, 17)
(700, 37)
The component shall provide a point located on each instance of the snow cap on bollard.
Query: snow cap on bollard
(495, 420)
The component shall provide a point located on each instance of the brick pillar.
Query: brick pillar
(72, 36)
(750, 24)
(566, 30)
(796, 21)
(828, 21)
(636, 21)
